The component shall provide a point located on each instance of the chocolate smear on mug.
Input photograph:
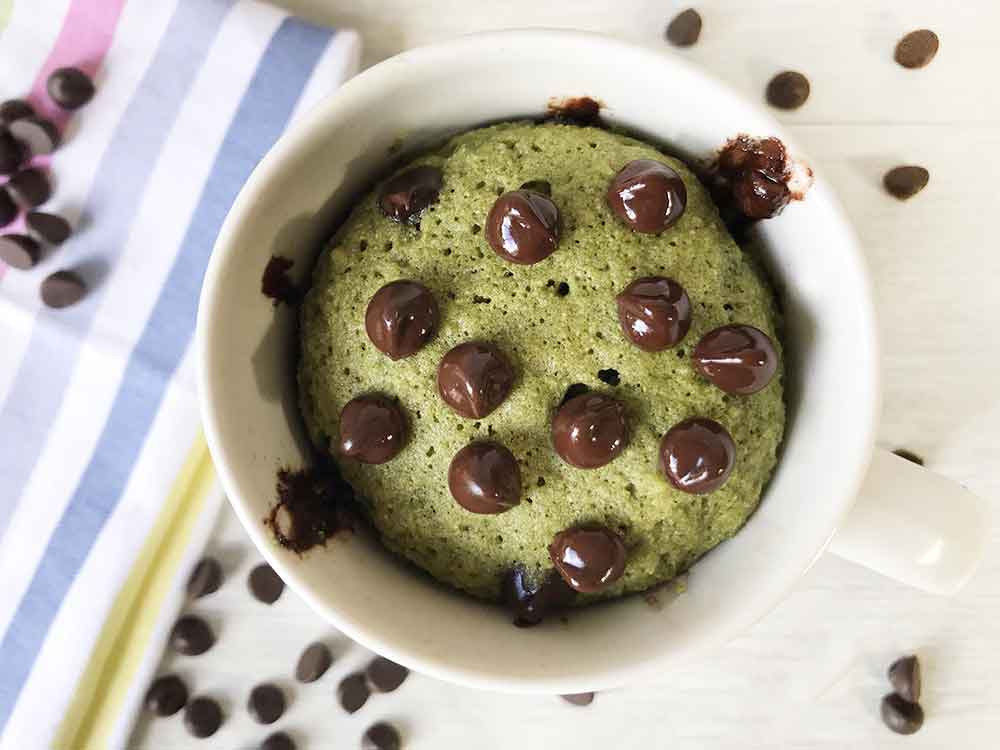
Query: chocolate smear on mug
(531, 601)
(313, 505)
(277, 285)
(576, 110)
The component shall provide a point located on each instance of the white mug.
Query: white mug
(879, 510)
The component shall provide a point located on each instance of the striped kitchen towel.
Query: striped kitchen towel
(100, 452)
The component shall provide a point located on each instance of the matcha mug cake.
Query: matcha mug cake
(565, 442)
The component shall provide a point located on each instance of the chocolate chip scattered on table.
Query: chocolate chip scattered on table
(205, 579)
(684, 29)
(313, 662)
(901, 710)
(381, 736)
(278, 741)
(19, 251)
(191, 636)
(578, 699)
(384, 675)
(353, 692)
(70, 88)
(203, 717)
(63, 289)
(917, 49)
(788, 90)
(48, 227)
(265, 585)
(266, 703)
(904, 182)
(167, 695)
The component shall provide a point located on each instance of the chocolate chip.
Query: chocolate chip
(313, 662)
(909, 456)
(62, 289)
(738, 359)
(917, 48)
(12, 153)
(530, 602)
(19, 251)
(904, 675)
(609, 376)
(697, 455)
(590, 430)
(685, 29)
(384, 675)
(484, 478)
(788, 90)
(647, 195)
(167, 695)
(353, 692)
(588, 558)
(372, 430)
(8, 209)
(901, 716)
(266, 703)
(381, 736)
(191, 636)
(905, 182)
(277, 284)
(15, 109)
(745, 153)
(474, 379)
(30, 187)
(538, 186)
(406, 196)
(278, 741)
(203, 717)
(578, 699)
(523, 227)
(205, 579)
(758, 195)
(654, 312)
(39, 136)
(576, 110)
(52, 228)
(265, 584)
(401, 317)
(70, 88)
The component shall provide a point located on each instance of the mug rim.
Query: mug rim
(295, 143)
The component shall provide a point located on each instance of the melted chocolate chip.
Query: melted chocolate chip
(590, 430)
(654, 312)
(62, 289)
(313, 662)
(917, 49)
(751, 176)
(788, 90)
(474, 379)
(381, 736)
(484, 477)
(406, 196)
(904, 675)
(372, 430)
(266, 703)
(205, 579)
(70, 88)
(276, 283)
(577, 110)
(531, 603)
(744, 153)
(647, 195)
(685, 28)
(265, 585)
(167, 695)
(900, 715)
(353, 692)
(313, 505)
(12, 153)
(738, 359)
(14, 109)
(19, 251)
(401, 317)
(384, 675)
(588, 558)
(697, 455)
(759, 196)
(523, 227)
(191, 636)
(905, 182)
(578, 699)
(203, 717)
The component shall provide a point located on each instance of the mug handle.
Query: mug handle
(915, 526)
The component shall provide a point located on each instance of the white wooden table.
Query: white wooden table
(811, 673)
